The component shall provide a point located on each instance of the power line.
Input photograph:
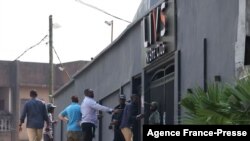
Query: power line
(102, 11)
(63, 68)
(32, 47)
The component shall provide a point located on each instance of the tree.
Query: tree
(221, 104)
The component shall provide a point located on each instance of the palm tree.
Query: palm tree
(221, 104)
(239, 101)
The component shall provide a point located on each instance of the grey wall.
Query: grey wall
(4, 95)
(34, 74)
(62, 101)
(70, 68)
(114, 67)
(215, 20)
(15, 89)
(111, 101)
(127, 90)
(5, 67)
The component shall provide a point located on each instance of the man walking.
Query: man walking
(72, 116)
(36, 113)
(89, 109)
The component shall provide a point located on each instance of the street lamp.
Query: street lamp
(110, 23)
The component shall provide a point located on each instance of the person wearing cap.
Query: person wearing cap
(154, 117)
(131, 118)
(116, 119)
(89, 109)
(72, 116)
(36, 113)
(48, 132)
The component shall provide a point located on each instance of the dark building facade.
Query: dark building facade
(174, 46)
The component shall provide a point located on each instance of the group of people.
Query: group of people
(82, 119)
(126, 122)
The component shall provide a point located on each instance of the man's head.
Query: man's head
(50, 107)
(122, 99)
(135, 98)
(89, 93)
(74, 99)
(33, 93)
(153, 106)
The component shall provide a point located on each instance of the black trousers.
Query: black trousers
(47, 138)
(136, 133)
(118, 136)
(88, 130)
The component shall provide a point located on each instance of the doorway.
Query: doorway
(162, 91)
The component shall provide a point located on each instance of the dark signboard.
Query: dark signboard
(156, 29)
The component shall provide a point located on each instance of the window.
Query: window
(169, 69)
(159, 74)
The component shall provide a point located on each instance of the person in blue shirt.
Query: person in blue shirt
(72, 116)
(36, 113)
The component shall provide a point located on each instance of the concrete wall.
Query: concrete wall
(111, 101)
(35, 74)
(4, 95)
(5, 73)
(70, 68)
(114, 67)
(5, 136)
(62, 101)
(42, 93)
(215, 20)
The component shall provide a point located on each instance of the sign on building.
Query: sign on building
(158, 29)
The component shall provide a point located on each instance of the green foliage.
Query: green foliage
(221, 104)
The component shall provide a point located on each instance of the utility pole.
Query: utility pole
(51, 74)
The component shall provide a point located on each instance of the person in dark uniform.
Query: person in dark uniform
(131, 118)
(116, 119)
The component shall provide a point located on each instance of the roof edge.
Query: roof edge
(56, 93)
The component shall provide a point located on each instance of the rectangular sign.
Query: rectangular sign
(159, 31)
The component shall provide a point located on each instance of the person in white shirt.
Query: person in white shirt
(89, 109)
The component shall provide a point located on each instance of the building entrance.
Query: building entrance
(161, 90)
